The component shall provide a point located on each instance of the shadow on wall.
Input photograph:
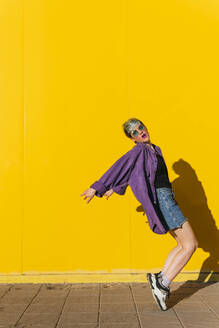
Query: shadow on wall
(192, 200)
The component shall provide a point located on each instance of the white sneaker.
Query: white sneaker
(159, 291)
(158, 274)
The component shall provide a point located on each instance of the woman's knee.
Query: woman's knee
(186, 237)
(191, 246)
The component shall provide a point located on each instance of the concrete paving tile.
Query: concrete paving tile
(149, 307)
(15, 300)
(213, 305)
(7, 318)
(151, 319)
(147, 293)
(201, 325)
(121, 285)
(44, 308)
(140, 291)
(116, 303)
(136, 284)
(115, 288)
(26, 287)
(185, 298)
(26, 325)
(172, 302)
(80, 307)
(209, 298)
(78, 325)
(215, 284)
(50, 296)
(116, 317)
(164, 324)
(185, 291)
(188, 284)
(21, 293)
(117, 298)
(147, 323)
(3, 293)
(12, 307)
(58, 286)
(124, 291)
(83, 299)
(48, 300)
(190, 293)
(141, 298)
(139, 284)
(55, 287)
(85, 285)
(88, 291)
(191, 307)
(117, 307)
(119, 325)
(78, 317)
(160, 315)
(197, 317)
(209, 291)
(5, 285)
(39, 318)
(53, 293)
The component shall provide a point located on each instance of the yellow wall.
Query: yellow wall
(11, 137)
(79, 70)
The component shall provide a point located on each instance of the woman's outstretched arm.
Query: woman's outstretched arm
(115, 179)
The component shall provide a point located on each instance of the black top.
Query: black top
(161, 177)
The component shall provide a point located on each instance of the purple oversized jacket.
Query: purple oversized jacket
(136, 168)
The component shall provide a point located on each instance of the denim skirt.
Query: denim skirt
(169, 208)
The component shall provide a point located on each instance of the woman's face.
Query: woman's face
(140, 133)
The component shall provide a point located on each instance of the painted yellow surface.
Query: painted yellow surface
(71, 74)
(11, 136)
(97, 278)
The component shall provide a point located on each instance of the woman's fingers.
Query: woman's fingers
(89, 199)
(88, 193)
(108, 193)
(84, 193)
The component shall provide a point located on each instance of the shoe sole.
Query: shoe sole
(151, 282)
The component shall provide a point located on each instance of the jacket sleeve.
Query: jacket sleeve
(116, 177)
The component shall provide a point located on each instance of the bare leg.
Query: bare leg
(170, 257)
(186, 238)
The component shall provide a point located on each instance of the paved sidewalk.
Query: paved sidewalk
(107, 305)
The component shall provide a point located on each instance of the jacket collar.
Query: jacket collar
(144, 145)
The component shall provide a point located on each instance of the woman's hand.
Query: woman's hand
(89, 193)
(108, 193)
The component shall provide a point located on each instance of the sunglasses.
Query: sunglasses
(135, 132)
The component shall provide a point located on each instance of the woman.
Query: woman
(143, 168)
